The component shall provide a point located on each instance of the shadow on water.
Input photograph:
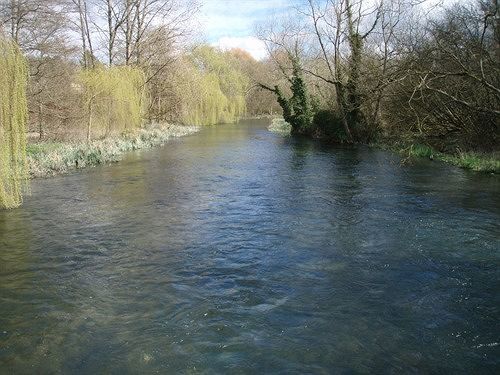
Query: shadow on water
(238, 250)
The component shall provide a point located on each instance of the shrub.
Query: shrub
(279, 125)
(328, 124)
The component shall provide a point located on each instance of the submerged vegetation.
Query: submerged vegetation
(279, 125)
(13, 117)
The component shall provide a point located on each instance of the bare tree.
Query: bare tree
(40, 28)
(83, 26)
(450, 95)
(341, 29)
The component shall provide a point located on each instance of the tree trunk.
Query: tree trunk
(87, 31)
(138, 35)
(40, 122)
(340, 97)
(89, 123)
(129, 28)
(82, 30)
(111, 33)
(14, 14)
(353, 96)
(496, 26)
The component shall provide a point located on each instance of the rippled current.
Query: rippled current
(236, 250)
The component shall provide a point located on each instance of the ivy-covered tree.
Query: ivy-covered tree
(297, 110)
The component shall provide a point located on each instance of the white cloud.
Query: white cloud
(236, 18)
(251, 44)
(230, 23)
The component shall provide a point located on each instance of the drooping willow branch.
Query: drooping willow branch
(13, 118)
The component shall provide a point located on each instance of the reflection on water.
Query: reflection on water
(237, 250)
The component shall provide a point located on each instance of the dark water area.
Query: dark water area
(237, 250)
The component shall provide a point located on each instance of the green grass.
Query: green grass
(421, 151)
(474, 161)
(488, 163)
(42, 148)
(51, 158)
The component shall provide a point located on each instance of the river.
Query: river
(237, 250)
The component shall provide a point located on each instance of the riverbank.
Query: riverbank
(487, 163)
(478, 162)
(52, 158)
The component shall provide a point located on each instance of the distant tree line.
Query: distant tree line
(77, 51)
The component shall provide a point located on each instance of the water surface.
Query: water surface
(237, 250)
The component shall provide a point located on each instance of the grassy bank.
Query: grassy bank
(51, 158)
(488, 163)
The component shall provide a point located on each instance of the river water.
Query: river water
(237, 250)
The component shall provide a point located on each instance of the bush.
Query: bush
(328, 124)
(279, 125)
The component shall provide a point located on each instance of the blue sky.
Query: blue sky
(230, 23)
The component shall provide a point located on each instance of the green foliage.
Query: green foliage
(285, 106)
(13, 117)
(475, 161)
(479, 162)
(328, 124)
(114, 98)
(300, 102)
(468, 160)
(211, 88)
(421, 151)
(297, 110)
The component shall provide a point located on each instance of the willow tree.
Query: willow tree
(13, 117)
(114, 99)
(212, 88)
